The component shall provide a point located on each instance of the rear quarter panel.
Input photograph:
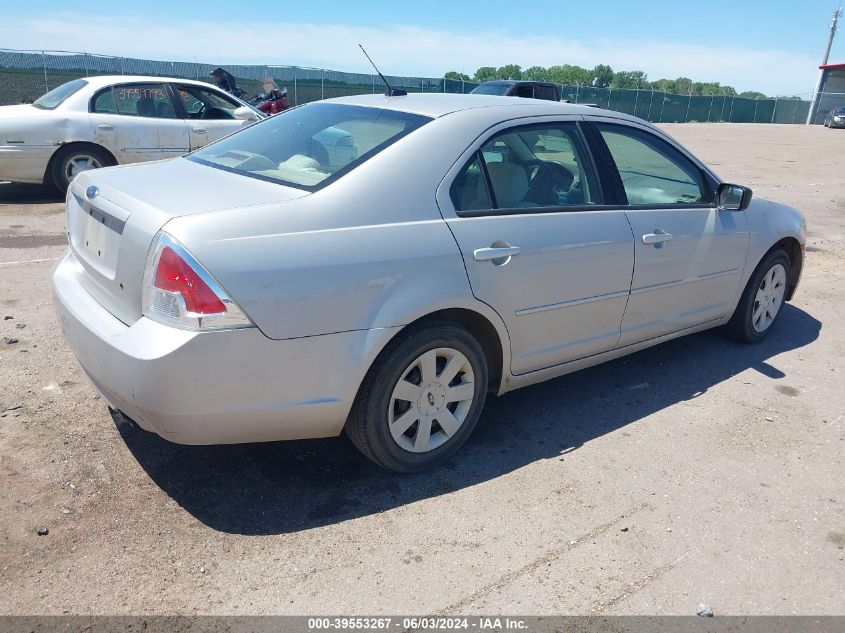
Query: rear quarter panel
(368, 251)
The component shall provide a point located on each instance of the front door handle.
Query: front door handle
(657, 238)
(499, 253)
(200, 130)
(105, 126)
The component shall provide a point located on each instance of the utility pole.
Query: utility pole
(834, 24)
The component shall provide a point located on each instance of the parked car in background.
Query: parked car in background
(263, 288)
(111, 120)
(835, 118)
(514, 88)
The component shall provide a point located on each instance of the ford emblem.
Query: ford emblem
(92, 192)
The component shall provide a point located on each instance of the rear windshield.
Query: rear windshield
(55, 97)
(492, 89)
(310, 146)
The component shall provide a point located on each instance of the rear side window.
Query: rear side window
(525, 90)
(547, 92)
(529, 167)
(56, 96)
(652, 171)
(309, 146)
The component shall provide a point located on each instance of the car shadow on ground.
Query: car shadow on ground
(284, 487)
(14, 193)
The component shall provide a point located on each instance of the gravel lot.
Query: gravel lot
(697, 471)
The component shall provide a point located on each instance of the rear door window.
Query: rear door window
(146, 100)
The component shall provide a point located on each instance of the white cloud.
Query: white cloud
(409, 50)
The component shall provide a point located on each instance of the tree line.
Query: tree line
(603, 76)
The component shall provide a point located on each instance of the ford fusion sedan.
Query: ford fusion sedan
(263, 289)
(102, 121)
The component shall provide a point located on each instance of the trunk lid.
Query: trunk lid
(110, 231)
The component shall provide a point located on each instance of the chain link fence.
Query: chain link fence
(26, 75)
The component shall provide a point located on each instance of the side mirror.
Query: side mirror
(245, 114)
(733, 197)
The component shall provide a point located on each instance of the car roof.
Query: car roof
(101, 81)
(436, 104)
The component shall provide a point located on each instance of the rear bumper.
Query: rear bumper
(25, 163)
(220, 387)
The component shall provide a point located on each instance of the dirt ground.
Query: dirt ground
(697, 471)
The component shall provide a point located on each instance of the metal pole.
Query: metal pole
(689, 103)
(374, 84)
(756, 103)
(636, 100)
(731, 111)
(710, 109)
(323, 83)
(295, 95)
(662, 105)
(650, 101)
(44, 67)
(775, 109)
(814, 104)
(576, 92)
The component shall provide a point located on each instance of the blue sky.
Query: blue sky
(771, 46)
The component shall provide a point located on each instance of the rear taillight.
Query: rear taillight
(178, 291)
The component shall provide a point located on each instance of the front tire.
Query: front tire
(421, 399)
(762, 301)
(74, 159)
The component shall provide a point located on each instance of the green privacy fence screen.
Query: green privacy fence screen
(26, 75)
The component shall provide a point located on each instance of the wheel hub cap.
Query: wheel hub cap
(769, 298)
(431, 400)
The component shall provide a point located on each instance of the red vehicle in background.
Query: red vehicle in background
(273, 100)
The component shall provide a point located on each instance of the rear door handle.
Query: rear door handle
(658, 237)
(492, 253)
(105, 126)
(200, 130)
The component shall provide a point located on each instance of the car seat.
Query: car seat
(145, 107)
(510, 184)
(164, 110)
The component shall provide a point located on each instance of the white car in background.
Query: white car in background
(113, 120)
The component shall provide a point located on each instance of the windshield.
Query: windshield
(491, 89)
(55, 97)
(310, 146)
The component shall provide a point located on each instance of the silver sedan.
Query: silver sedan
(380, 265)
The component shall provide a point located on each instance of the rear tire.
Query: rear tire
(421, 399)
(762, 300)
(74, 159)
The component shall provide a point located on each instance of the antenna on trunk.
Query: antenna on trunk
(390, 92)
